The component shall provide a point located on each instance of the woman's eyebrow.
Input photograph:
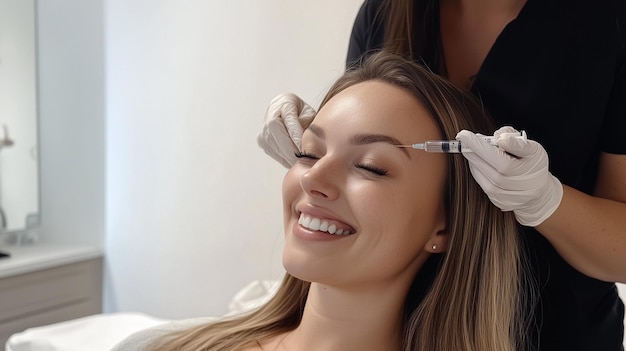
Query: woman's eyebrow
(363, 139)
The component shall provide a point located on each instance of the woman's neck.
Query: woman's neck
(350, 319)
(468, 31)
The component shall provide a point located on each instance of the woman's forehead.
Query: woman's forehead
(376, 106)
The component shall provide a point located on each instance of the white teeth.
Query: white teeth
(319, 225)
(324, 226)
(315, 224)
(306, 221)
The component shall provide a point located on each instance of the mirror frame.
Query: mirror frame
(28, 231)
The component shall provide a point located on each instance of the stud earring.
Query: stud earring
(434, 247)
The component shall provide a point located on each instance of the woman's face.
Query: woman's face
(358, 209)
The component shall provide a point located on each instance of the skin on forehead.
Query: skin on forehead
(386, 107)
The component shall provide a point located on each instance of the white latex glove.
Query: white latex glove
(285, 120)
(514, 174)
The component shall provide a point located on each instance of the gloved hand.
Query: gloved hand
(285, 120)
(514, 174)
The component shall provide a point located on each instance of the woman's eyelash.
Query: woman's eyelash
(376, 170)
(304, 154)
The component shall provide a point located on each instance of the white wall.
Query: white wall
(71, 121)
(621, 288)
(193, 204)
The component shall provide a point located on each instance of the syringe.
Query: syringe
(455, 146)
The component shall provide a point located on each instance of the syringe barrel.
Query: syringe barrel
(446, 146)
(454, 146)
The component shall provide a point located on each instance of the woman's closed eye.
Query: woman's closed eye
(373, 169)
(307, 156)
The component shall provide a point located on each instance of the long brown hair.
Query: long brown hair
(412, 31)
(474, 301)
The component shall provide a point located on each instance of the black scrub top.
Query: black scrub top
(557, 71)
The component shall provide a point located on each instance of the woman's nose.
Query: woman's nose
(321, 180)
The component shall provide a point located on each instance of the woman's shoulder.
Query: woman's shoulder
(146, 339)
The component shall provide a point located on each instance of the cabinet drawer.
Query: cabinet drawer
(41, 291)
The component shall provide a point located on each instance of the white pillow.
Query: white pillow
(101, 332)
(253, 295)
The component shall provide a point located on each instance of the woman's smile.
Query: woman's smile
(324, 225)
(318, 224)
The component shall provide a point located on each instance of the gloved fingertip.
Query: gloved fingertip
(463, 134)
(286, 163)
(503, 130)
(471, 139)
(518, 146)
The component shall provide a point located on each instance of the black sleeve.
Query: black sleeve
(614, 130)
(367, 32)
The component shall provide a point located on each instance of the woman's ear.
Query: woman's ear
(438, 243)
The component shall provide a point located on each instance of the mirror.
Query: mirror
(19, 166)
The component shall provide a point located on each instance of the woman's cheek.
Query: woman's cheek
(291, 184)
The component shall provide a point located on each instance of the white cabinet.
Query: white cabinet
(48, 284)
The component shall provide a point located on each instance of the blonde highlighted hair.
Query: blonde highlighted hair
(467, 299)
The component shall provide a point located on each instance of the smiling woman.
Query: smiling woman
(392, 202)
(362, 217)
